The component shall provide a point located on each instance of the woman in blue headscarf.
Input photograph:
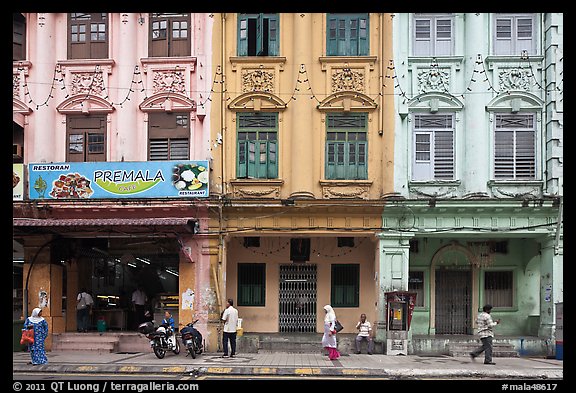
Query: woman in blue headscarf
(40, 326)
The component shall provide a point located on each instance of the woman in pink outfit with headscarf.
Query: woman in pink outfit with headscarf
(329, 337)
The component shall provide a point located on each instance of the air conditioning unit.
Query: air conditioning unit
(17, 150)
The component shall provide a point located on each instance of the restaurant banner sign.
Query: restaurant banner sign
(17, 182)
(93, 180)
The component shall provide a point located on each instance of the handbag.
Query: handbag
(27, 337)
(338, 326)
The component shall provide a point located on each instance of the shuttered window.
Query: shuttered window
(345, 289)
(169, 35)
(433, 147)
(433, 35)
(257, 145)
(258, 35)
(168, 136)
(515, 147)
(346, 146)
(251, 284)
(514, 34)
(86, 138)
(87, 36)
(347, 35)
(18, 36)
(498, 288)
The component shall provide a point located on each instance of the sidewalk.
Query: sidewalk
(281, 364)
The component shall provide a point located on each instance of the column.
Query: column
(301, 125)
(393, 254)
(126, 135)
(551, 286)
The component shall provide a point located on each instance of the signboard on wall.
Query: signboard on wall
(94, 180)
(17, 182)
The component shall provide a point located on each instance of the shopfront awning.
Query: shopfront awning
(90, 222)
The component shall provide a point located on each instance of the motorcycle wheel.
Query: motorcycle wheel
(176, 349)
(192, 351)
(159, 352)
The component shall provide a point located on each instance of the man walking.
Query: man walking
(486, 334)
(230, 318)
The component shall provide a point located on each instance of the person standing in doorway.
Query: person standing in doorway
(230, 318)
(139, 300)
(329, 337)
(84, 303)
(37, 322)
(486, 334)
(364, 333)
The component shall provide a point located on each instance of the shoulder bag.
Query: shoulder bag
(27, 337)
(338, 326)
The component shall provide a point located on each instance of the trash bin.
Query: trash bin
(101, 325)
(17, 333)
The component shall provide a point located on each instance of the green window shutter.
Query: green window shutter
(273, 41)
(272, 172)
(259, 33)
(331, 32)
(252, 146)
(352, 24)
(363, 42)
(242, 35)
(242, 160)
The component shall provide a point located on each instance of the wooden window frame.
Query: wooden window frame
(258, 35)
(339, 153)
(90, 47)
(336, 45)
(436, 159)
(259, 269)
(249, 164)
(352, 273)
(170, 46)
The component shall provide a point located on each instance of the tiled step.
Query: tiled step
(85, 342)
(498, 349)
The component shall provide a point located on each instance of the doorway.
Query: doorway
(297, 298)
(453, 302)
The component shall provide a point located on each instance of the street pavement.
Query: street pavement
(276, 364)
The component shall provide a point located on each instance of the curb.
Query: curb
(402, 373)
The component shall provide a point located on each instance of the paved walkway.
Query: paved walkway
(278, 363)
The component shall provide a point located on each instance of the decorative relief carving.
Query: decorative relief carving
(433, 80)
(91, 83)
(172, 81)
(521, 192)
(257, 80)
(345, 192)
(514, 79)
(16, 85)
(347, 79)
(256, 193)
(435, 192)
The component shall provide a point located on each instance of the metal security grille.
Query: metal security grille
(453, 300)
(297, 298)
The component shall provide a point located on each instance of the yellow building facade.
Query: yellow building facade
(302, 120)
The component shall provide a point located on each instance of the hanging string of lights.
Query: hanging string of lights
(479, 74)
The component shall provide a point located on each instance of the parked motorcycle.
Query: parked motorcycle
(162, 338)
(192, 339)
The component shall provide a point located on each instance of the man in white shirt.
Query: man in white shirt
(364, 333)
(230, 318)
(84, 302)
(139, 300)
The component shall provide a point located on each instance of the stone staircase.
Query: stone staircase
(107, 342)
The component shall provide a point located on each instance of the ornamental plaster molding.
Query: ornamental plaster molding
(15, 86)
(172, 81)
(528, 194)
(257, 80)
(346, 79)
(89, 83)
(435, 192)
(256, 193)
(433, 80)
(514, 79)
(345, 192)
